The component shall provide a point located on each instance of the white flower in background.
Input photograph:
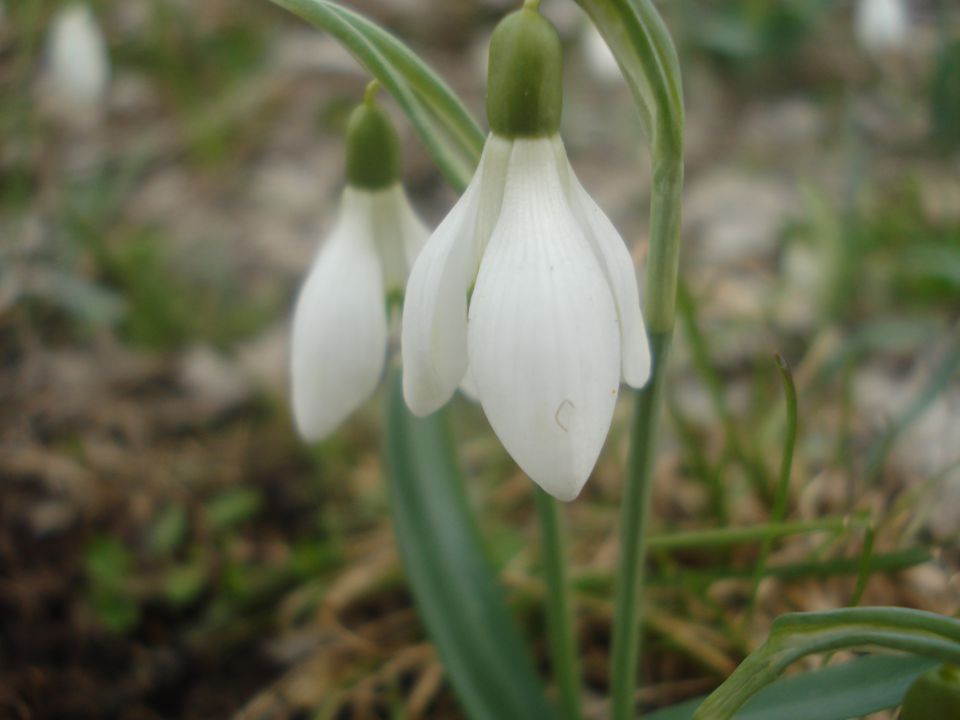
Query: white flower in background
(882, 25)
(78, 64)
(553, 323)
(340, 322)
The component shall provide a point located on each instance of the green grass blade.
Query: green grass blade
(779, 511)
(848, 690)
(438, 116)
(450, 577)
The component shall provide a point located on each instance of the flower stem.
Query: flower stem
(563, 645)
(370, 93)
(634, 517)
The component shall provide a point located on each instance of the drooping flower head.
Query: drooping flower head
(526, 290)
(881, 25)
(340, 322)
(78, 64)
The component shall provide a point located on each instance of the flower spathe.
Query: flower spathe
(340, 322)
(553, 322)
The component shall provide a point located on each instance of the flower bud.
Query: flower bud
(935, 695)
(525, 83)
(373, 155)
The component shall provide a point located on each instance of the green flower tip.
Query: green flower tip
(373, 148)
(525, 77)
(935, 695)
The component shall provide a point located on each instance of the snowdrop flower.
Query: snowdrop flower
(78, 64)
(553, 321)
(339, 338)
(881, 25)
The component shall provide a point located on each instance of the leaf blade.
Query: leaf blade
(449, 575)
(852, 689)
(432, 122)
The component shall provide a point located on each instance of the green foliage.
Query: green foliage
(935, 695)
(840, 692)
(797, 635)
(168, 531)
(191, 64)
(883, 256)
(170, 303)
(945, 97)
(232, 508)
(183, 584)
(449, 574)
(108, 566)
(752, 33)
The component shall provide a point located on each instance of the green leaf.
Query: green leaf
(232, 508)
(796, 635)
(849, 690)
(449, 575)
(450, 134)
(168, 530)
(116, 610)
(108, 562)
(184, 583)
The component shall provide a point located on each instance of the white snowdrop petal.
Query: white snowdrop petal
(339, 324)
(468, 387)
(434, 328)
(434, 333)
(491, 180)
(615, 260)
(543, 330)
(396, 234)
(414, 232)
(77, 56)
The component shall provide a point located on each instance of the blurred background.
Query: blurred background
(168, 549)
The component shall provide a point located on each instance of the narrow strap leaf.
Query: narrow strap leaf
(449, 575)
(847, 690)
(797, 635)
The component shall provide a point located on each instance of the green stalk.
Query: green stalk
(560, 624)
(641, 43)
(634, 518)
